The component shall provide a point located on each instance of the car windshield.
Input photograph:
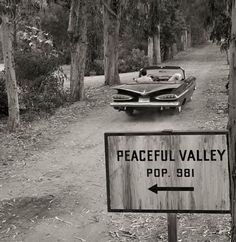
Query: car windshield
(165, 73)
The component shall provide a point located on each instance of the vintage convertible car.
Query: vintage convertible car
(156, 87)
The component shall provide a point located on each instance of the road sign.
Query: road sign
(167, 172)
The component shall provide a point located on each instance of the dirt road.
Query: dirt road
(60, 194)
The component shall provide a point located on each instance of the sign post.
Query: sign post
(172, 227)
(174, 172)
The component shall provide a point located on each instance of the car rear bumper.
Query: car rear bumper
(123, 105)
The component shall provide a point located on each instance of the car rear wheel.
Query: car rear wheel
(179, 109)
(129, 111)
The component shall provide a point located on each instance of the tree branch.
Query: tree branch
(64, 4)
(109, 9)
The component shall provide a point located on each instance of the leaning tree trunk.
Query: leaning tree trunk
(111, 22)
(77, 31)
(157, 47)
(7, 33)
(232, 122)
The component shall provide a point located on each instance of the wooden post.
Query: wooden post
(172, 227)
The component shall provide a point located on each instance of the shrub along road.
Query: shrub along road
(55, 190)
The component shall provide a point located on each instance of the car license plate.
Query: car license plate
(144, 99)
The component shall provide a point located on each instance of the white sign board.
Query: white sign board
(167, 172)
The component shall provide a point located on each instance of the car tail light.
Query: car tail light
(167, 97)
(122, 97)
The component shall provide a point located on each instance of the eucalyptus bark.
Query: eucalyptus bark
(150, 51)
(184, 39)
(157, 47)
(7, 33)
(154, 48)
(111, 23)
(189, 37)
(77, 31)
(232, 122)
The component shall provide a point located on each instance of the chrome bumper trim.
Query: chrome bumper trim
(143, 104)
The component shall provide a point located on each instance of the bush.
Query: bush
(41, 89)
(46, 95)
(133, 61)
(31, 66)
(40, 82)
(128, 61)
(98, 67)
(39, 77)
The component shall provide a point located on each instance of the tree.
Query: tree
(143, 21)
(173, 28)
(54, 20)
(12, 12)
(195, 13)
(77, 31)
(111, 20)
(154, 39)
(232, 120)
(219, 18)
(95, 51)
(8, 14)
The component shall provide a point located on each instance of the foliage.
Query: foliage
(95, 68)
(95, 39)
(134, 61)
(32, 39)
(30, 66)
(55, 22)
(172, 25)
(36, 62)
(219, 19)
(212, 16)
(141, 19)
(45, 93)
(195, 12)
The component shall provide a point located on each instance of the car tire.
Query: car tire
(179, 109)
(129, 111)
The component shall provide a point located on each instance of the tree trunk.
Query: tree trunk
(189, 38)
(111, 22)
(184, 39)
(11, 85)
(157, 47)
(150, 51)
(232, 123)
(227, 56)
(174, 49)
(77, 31)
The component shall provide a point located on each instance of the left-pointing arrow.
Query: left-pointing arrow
(156, 189)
